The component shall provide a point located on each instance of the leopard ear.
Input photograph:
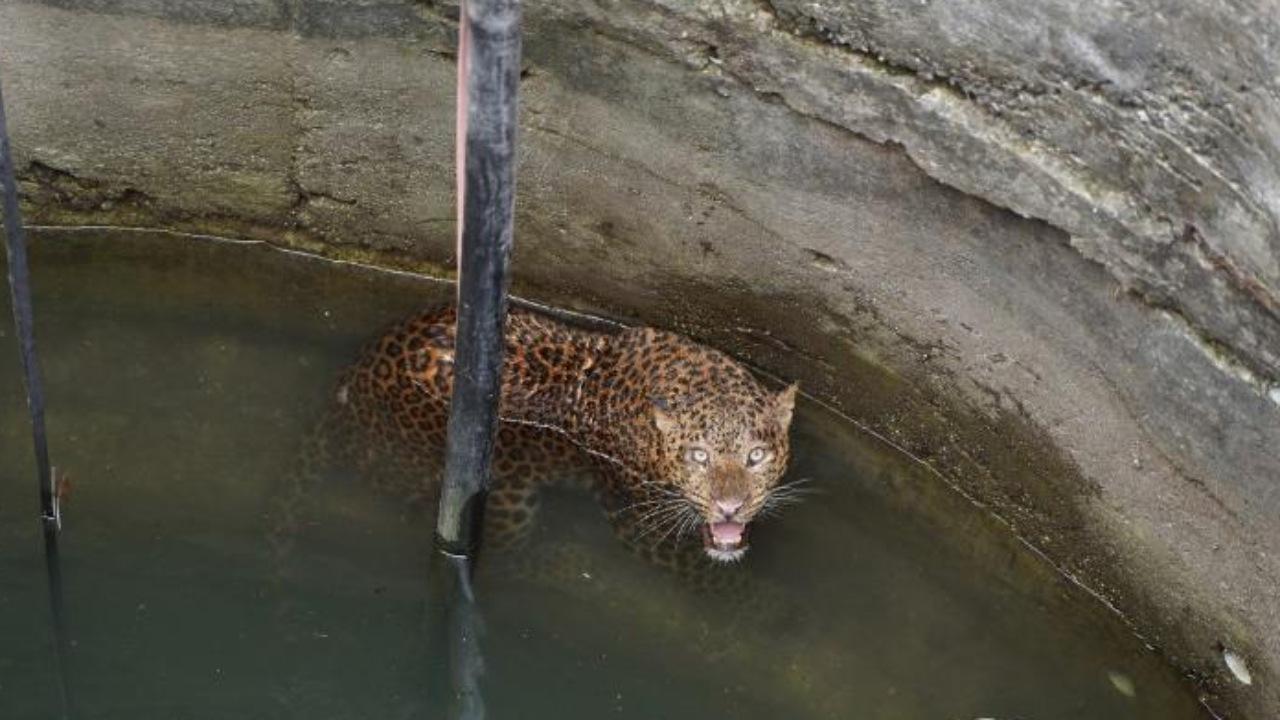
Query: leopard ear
(662, 416)
(784, 403)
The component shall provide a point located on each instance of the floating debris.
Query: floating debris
(1238, 667)
(1122, 683)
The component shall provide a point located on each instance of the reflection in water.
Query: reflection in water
(466, 655)
(883, 597)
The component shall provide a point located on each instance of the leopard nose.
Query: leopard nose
(729, 506)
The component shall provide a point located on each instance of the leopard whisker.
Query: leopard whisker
(768, 512)
(642, 503)
(776, 504)
(657, 512)
(679, 518)
(792, 496)
(655, 517)
(798, 495)
(794, 486)
(659, 522)
(790, 484)
(691, 521)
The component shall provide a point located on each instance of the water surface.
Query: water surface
(182, 376)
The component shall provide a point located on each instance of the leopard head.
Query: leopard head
(722, 456)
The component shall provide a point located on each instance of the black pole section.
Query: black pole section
(465, 626)
(23, 318)
(488, 81)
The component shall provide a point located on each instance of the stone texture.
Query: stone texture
(1033, 244)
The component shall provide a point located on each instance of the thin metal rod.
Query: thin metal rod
(488, 81)
(23, 318)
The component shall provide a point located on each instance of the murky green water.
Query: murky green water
(181, 377)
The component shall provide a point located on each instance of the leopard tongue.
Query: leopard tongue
(727, 533)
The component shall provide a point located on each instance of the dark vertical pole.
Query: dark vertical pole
(488, 81)
(23, 318)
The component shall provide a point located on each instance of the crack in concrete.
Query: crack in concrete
(84, 193)
(304, 197)
(1246, 284)
(1218, 354)
(811, 28)
(922, 84)
(813, 31)
(1226, 357)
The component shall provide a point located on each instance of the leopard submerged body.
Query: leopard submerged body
(683, 440)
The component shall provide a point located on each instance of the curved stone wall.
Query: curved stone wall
(1035, 244)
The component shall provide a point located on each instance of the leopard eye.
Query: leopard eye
(756, 456)
(697, 455)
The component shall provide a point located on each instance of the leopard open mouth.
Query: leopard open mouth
(725, 541)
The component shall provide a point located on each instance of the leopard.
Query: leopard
(681, 445)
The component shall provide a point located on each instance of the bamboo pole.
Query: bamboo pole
(488, 81)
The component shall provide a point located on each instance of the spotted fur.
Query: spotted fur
(675, 438)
